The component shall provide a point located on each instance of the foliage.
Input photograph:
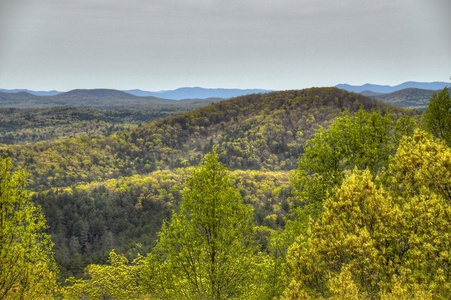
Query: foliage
(119, 280)
(419, 163)
(88, 220)
(391, 237)
(28, 270)
(437, 117)
(261, 132)
(364, 141)
(206, 251)
(20, 126)
(113, 192)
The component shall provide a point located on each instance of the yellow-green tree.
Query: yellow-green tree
(393, 236)
(118, 280)
(206, 251)
(27, 266)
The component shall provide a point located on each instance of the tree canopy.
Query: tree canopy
(27, 268)
(437, 117)
(206, 251)
(382, 236)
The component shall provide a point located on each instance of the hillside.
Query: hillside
(410, 97)
(260, 131)
(20, 126)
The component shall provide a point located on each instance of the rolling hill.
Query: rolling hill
(410, 97)
(113, 192)
(259, 131)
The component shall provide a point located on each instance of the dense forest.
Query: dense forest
(307, 194)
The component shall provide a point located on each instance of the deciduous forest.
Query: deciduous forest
(302, 194)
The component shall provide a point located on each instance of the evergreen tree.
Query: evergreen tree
(27, 266)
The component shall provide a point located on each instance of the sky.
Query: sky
(166, 44)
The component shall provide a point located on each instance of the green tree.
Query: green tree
(206, 251)
(363, 140)
(28, 269)
(437, 117)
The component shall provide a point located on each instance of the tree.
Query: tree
(119, 280)
(364, 140)
(393, 235)
(28, 269)
(437, 117)
(206, 251)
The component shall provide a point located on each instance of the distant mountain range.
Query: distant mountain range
(409, 94)
(198, 93)
(97, 98)
(36, 93)
(384, 89)
(177, 94)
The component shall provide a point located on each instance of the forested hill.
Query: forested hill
(260, 131)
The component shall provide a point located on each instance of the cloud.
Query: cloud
(231, 39)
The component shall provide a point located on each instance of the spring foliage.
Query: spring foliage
(437, 117)
(364, 141)
(206, 251)
(385, 237)
(27, 268)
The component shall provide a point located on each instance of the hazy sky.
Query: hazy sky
(165, 44)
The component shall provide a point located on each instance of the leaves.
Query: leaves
(28, 270)
(206, 251)
(437, 117)
(119, 280)
(397, 229)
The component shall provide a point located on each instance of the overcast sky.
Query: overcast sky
(164, 44)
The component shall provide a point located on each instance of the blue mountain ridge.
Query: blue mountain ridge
(205, 93)
(177, 94)
(384, 89)
(36, 93)
(197, 93)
